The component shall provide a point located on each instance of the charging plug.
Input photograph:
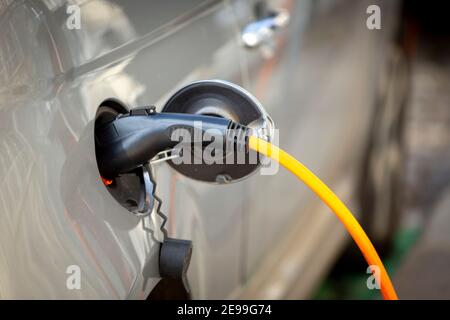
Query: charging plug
(133, 139)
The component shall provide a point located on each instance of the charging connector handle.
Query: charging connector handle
(133, 139)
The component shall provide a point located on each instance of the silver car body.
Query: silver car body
(317, 80)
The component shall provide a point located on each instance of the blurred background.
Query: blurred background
(417, 252)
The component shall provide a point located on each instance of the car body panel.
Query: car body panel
(320, 88)
(318, 80)
(64, 215)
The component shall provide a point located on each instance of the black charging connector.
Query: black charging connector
(133, 139)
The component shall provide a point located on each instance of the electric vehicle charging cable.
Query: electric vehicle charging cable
(132, 140)
(334, 203)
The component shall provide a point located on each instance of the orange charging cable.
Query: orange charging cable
(335, 204)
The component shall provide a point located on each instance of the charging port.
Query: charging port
(129, 189)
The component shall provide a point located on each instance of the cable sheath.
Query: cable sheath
(335, 204)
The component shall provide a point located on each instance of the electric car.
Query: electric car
(321, 74)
